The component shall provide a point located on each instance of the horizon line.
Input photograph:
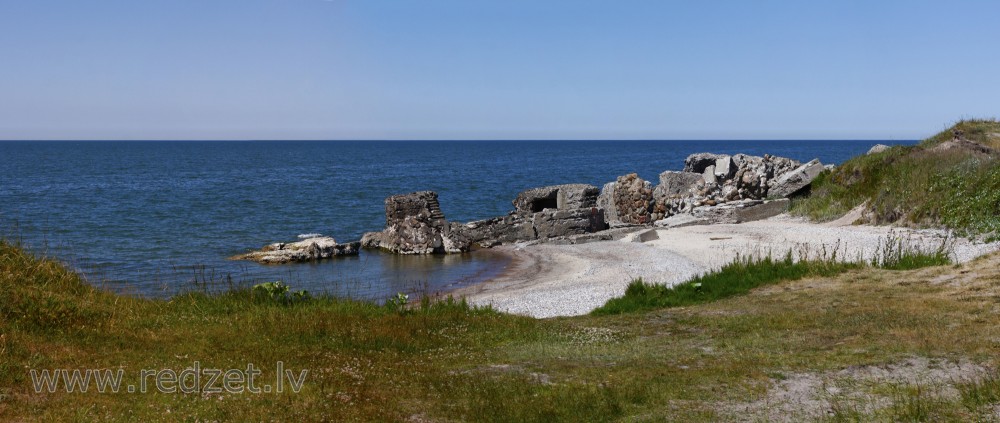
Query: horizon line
(463, 140)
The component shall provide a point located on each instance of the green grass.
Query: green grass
(447, 361)
(367, 361)
(736, 278)
(917, 185)
(981, 394)
(747, 272)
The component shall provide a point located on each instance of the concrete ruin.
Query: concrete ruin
(712, 188)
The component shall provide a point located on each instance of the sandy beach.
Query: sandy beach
(547, 280)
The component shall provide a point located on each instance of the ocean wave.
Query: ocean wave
(307, 236)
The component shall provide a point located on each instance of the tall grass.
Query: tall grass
(40, 294)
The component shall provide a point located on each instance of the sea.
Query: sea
(159, 218)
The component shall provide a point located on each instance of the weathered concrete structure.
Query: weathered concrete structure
(414, 224)
(306, 250)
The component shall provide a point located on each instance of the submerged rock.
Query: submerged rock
(309, 249)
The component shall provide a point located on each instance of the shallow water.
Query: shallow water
(155, 218)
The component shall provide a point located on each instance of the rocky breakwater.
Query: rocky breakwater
(309, 249)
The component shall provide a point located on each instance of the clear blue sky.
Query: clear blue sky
(503, 69)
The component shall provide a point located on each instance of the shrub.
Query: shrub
(278, 291)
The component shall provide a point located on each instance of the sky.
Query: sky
(503, 69)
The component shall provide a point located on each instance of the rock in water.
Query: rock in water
(372, 240)
(540, 213)
(309, 249)
(415, 225)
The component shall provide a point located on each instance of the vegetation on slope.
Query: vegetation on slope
(951, 179)
(450, 362)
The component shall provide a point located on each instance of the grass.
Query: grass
(917, 185)
(446, 361)
(749, 272)
(980, 394)
(736, 278)
(982, 131)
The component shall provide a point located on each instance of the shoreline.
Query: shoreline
(550, 280)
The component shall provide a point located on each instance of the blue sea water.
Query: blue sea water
(156, 218)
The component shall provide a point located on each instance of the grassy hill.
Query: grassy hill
(951, 179)
(809, 348)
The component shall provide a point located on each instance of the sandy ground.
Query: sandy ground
(547, 280)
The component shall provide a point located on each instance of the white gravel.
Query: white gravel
(565, 280)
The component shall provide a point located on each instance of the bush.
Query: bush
(278, 291)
